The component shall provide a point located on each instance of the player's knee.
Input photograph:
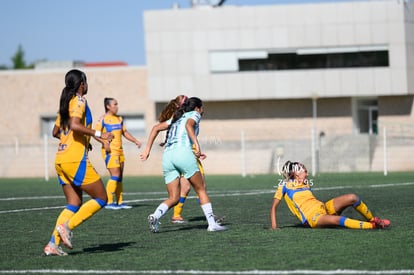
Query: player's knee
(102, 199)
(174, 198)
(172, 202)
(186, 189)
(101, 202)
(353, 199)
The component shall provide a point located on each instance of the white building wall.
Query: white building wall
(178, 44)
(409, 34)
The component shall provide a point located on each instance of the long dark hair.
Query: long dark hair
(188, 106)
(73, 80)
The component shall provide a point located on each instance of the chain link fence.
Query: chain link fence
(245, 153)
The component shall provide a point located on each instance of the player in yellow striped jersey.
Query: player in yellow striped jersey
(296, 191)
(74, 170)
(113, 153)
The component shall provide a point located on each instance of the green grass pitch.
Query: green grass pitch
(119, 241)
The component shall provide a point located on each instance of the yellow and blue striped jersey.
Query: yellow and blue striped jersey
(299, 198)
(115, 125)
(73, 146)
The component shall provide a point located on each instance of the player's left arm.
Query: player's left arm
(190, 126)
(131, 138)
(56, 132)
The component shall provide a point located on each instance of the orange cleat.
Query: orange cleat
(380, 223)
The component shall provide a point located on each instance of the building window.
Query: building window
(295, 61)
(299, 59)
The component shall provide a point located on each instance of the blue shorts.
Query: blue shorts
(178, 162)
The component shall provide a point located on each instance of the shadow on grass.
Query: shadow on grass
(187, 226)
(182, 227)
(298, 225)
(197, 219)
(219, 219)
(107, 248)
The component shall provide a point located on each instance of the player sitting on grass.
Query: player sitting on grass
(296, 191)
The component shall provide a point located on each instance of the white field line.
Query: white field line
(251, 272)
(211, 194)
(248, 272)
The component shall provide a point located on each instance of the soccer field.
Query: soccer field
(119, 241)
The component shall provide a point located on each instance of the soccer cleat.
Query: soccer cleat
(52, 249)
(216, 227)
(112, 206)
(124, 206)
(153, 223)
(66, 234)
(177, 219)
(380, 223)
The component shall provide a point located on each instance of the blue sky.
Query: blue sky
(84, 30)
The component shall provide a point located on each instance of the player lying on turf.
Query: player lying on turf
(296, 191)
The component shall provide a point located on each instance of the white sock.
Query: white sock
(161, 210)
(208, 212)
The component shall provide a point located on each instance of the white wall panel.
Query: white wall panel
(363, 33)
(329, 34)
(349, 82)
(180, 43)
(365, 81)
(382, 82)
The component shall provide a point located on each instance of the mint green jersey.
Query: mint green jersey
(177, 135)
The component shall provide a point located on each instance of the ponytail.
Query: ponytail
(73, 80)
(107, 101)
(171, 107)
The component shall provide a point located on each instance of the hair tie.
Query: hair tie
(183, 100)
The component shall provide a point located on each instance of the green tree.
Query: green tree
(18, 59)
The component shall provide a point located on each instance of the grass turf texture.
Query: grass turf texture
(120, 240)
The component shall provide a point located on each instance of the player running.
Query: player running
(179, 159)
(74, 170)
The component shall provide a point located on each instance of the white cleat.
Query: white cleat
(66, 234)
(153, 223)
(216, 227)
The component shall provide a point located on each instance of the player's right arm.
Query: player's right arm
(162, 126)
(273, 213)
